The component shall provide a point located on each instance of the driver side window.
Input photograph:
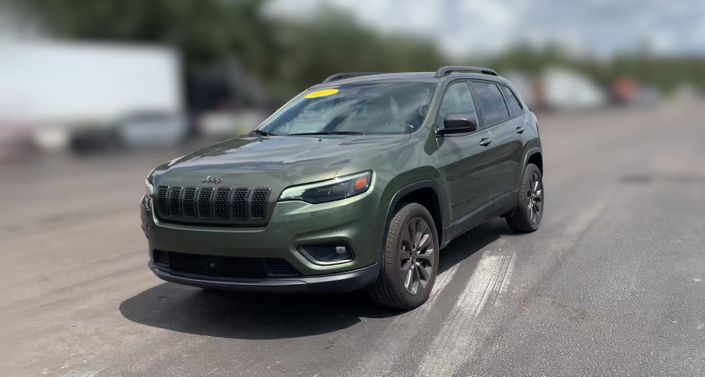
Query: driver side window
(457, 100)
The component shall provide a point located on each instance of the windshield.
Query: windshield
(365, 108)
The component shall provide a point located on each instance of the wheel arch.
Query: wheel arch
(535, 156)
(425, 192)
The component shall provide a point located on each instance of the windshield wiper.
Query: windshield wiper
(329, 133)
(264, 133)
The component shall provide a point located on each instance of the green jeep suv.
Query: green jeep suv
(357, 182)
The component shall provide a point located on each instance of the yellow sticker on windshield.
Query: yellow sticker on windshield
(322, 93)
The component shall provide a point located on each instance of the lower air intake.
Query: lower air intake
(224, 267)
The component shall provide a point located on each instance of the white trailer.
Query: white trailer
(566, 90)
(54, 87)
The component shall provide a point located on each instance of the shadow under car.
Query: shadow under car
(277, 316)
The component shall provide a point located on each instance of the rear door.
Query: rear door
(505, 147)
(512, 138)
(461, 158)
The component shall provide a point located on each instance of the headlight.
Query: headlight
(149, 182)
(149, 188)
(148, 193)
(150, 176)
(333, 189)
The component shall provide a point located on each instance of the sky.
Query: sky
(602, 28)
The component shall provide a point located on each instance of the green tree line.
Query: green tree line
(286, 56)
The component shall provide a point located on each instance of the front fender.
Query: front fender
(421, 178)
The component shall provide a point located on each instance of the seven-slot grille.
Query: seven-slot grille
(208, 205)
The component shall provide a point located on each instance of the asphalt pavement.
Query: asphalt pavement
(612, 284)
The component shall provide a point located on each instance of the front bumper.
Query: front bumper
(341, 282)
(353, 222)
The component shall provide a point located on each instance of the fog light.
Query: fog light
(327, 254)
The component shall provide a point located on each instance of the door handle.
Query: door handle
(519, 130)
(485, 142)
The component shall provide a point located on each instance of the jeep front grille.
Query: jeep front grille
(221, 203)
(213, 206)
(189, 201)
(239, 201)
(258, 207)
(204, 201)
(175, 201)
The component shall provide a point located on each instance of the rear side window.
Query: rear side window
(512, 101)
(492, 106)
(457, 100)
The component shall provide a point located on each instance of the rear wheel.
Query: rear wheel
(526, 216)
(410, 260)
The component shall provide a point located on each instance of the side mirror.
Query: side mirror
(456, 124)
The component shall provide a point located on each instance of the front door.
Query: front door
(465, 160)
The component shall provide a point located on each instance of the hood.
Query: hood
(277, 161)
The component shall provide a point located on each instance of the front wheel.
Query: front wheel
(526, 216)
(410, 260)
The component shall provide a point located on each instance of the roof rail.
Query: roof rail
(463, 68)
(347, 75)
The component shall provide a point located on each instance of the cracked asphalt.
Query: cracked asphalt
(612, 284)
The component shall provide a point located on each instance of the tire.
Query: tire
(409, 265)
(526, 216)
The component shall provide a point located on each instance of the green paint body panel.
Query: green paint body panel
(472, 183)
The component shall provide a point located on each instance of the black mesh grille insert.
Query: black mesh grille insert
(240, 197)
(222, 209)
(204, 201)
(258, 207)
(279, 267)
(175, 201)
(190, 201)
(162, 200)
(227, 267)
